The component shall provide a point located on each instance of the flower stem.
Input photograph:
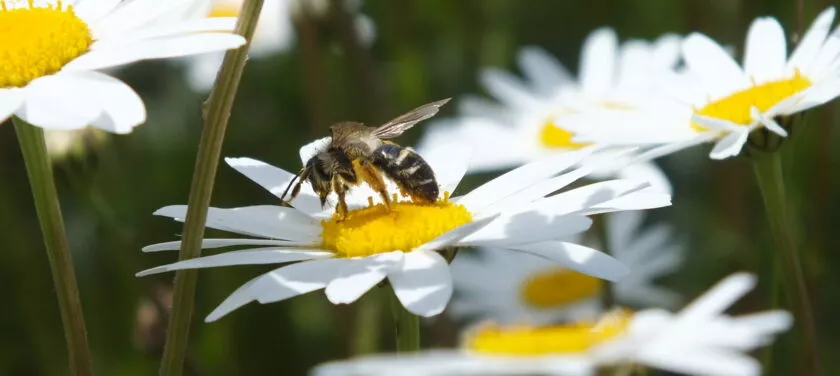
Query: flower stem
(607, 294)
(768, 172)
(368, 316)
(216, 114)
(39, 169)
(407, 327)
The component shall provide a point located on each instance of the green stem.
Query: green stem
(768, 172)
(368, 314)
(607, 294)
(407, 327)
(39, 169)
(216, 114)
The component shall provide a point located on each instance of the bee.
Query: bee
(358, 153)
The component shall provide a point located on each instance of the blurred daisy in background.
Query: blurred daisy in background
(349, 255)
(717, 100)
(521, 126)
(73, 143)
(510, 288)
(699, 340)
(53, 50)
(275, 32)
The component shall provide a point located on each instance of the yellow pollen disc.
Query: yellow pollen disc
(557, 287)
(400, 226)
(556, 339)
(552, 136)
(736, 107)
(38, 41)
(224, 9)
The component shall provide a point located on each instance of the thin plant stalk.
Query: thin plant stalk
(601, 231)
(39, 170)
(406, 325)
(768, 172)
(368, 315)
(216, 113)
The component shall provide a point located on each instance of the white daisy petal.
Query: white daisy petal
(589, 196)
(766, 50)
(506, 88)
(768, 122)
(809, 47)
(449, 162)
(219, 243)
(702, 362)
(719, 297)
(10, 101)
(59, 101)
(424, 285)
(648, 198)
(716, 70)
(266, 221)
(598, 61)
(311, 149)
(122, 108)
(542, 70)
(577, 257)
(722, 125)
(91, 10)
(527, 227)
(360, 275)
(280, 284)
(276, 180)
(255, 256)
(453, 236)
(201, 25)
(730, 145)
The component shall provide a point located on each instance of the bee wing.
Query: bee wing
(400, 124)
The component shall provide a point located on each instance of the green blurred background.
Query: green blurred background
(424, 50)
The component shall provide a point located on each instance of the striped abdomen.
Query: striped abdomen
(408, 169)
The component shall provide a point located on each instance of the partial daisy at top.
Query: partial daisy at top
(720, 101)
(520, 125)
(699, 340)
(274, 34)
(349, 239)
(510, 288)
(52, 52)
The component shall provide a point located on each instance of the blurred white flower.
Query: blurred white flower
(511, 288)
(521, 126)
(274, 33)
(52, 51)
(347, 256)
(62, 144)
(717, 100)
(700, 340)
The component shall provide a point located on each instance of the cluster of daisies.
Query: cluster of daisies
(525, 268)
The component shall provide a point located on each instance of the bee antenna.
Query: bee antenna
(292, 182)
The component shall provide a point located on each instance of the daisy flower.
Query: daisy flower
(699, 340)
(52, 51)
(512, 288)
(348, 255)
(717, 100)
(521, 126)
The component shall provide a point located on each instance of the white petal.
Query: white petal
(674, 147)
(827, 56)
(122, 108)
(719, 297)
(10, 101)
(730, 145)
(542, 70)
(766, 50)
(589, 196)
(717, 72)
(219, 243)
(449, 163)
(59, 101)
(647, 198)
(768, 122)
(711, 362)
(282, 283)
(276, 180)
(311, 149)
(91, 10)
(722, 125)
(255, 256)
(649, 172)
(360, 275)
(577, 257)
(453, 236)
(527, 227)
(275, 222)
(424, 285)
(201, 25)
(521, 178)
(507, 89)
(598, 61)
(483, 137)
(159, 48)
(808, 48)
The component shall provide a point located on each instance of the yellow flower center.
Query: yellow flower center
(399, 226)
(736, 107)
(38, 41)
(557, 287)
(224, 9)
(554, 137)
(556, 339)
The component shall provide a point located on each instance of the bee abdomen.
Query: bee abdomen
(408, 169)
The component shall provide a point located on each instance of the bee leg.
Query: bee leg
(340, 189)
(368, 173)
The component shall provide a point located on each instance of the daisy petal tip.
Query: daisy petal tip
(747, 280)
(156, 270)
